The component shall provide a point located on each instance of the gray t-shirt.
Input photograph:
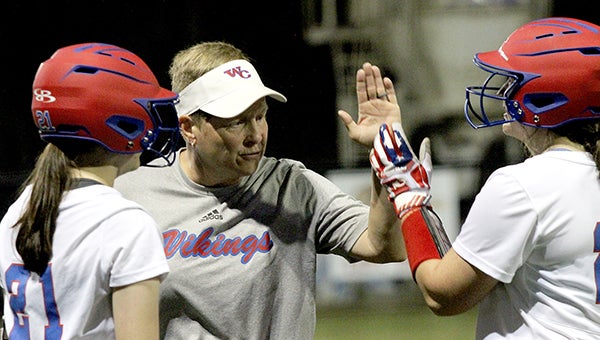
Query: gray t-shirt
(243, 258)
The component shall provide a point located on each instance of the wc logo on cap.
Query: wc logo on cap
(237, 71)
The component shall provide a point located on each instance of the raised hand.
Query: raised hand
(405, 176)
(377, 104)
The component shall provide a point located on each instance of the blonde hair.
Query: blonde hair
(191, 63)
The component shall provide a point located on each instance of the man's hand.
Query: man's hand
(405, 176)
(377, 104)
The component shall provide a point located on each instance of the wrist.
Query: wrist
(406, 201)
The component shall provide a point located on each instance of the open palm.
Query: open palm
(377, 104)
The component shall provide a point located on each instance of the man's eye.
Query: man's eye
(236, 123)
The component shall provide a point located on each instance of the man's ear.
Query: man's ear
(185, 128)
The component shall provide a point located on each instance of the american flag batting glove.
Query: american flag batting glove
(405, 176)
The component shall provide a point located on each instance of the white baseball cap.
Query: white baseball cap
(225, 91)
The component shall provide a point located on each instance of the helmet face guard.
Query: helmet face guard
(492, 99)
(545, 74)
(493, 95)
(160, 142)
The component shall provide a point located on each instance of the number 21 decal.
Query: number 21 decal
(17, 279)
(43, 120)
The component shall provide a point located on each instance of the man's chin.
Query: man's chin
(247, 168)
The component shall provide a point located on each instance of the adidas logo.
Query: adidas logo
(213, 215)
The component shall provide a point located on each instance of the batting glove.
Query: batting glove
(405, 177)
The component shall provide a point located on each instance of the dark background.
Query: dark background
(269, 31)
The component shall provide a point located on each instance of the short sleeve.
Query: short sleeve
(134, 248)
(496, 235)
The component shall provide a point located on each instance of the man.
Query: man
(242, 230)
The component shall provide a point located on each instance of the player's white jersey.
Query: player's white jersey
(101, 241)
(535, 227)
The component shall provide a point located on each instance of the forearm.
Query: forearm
(432, 282)
(451, 286)
(135, 309)
(382, 241)
(424, 236)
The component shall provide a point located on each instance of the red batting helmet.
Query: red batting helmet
(551, 74)
(105, 94)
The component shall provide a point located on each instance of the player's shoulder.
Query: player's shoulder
(536, 170)
(101, 195)
(101, 201)
(560, 163)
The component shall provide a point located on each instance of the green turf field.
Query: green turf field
(401, 314)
